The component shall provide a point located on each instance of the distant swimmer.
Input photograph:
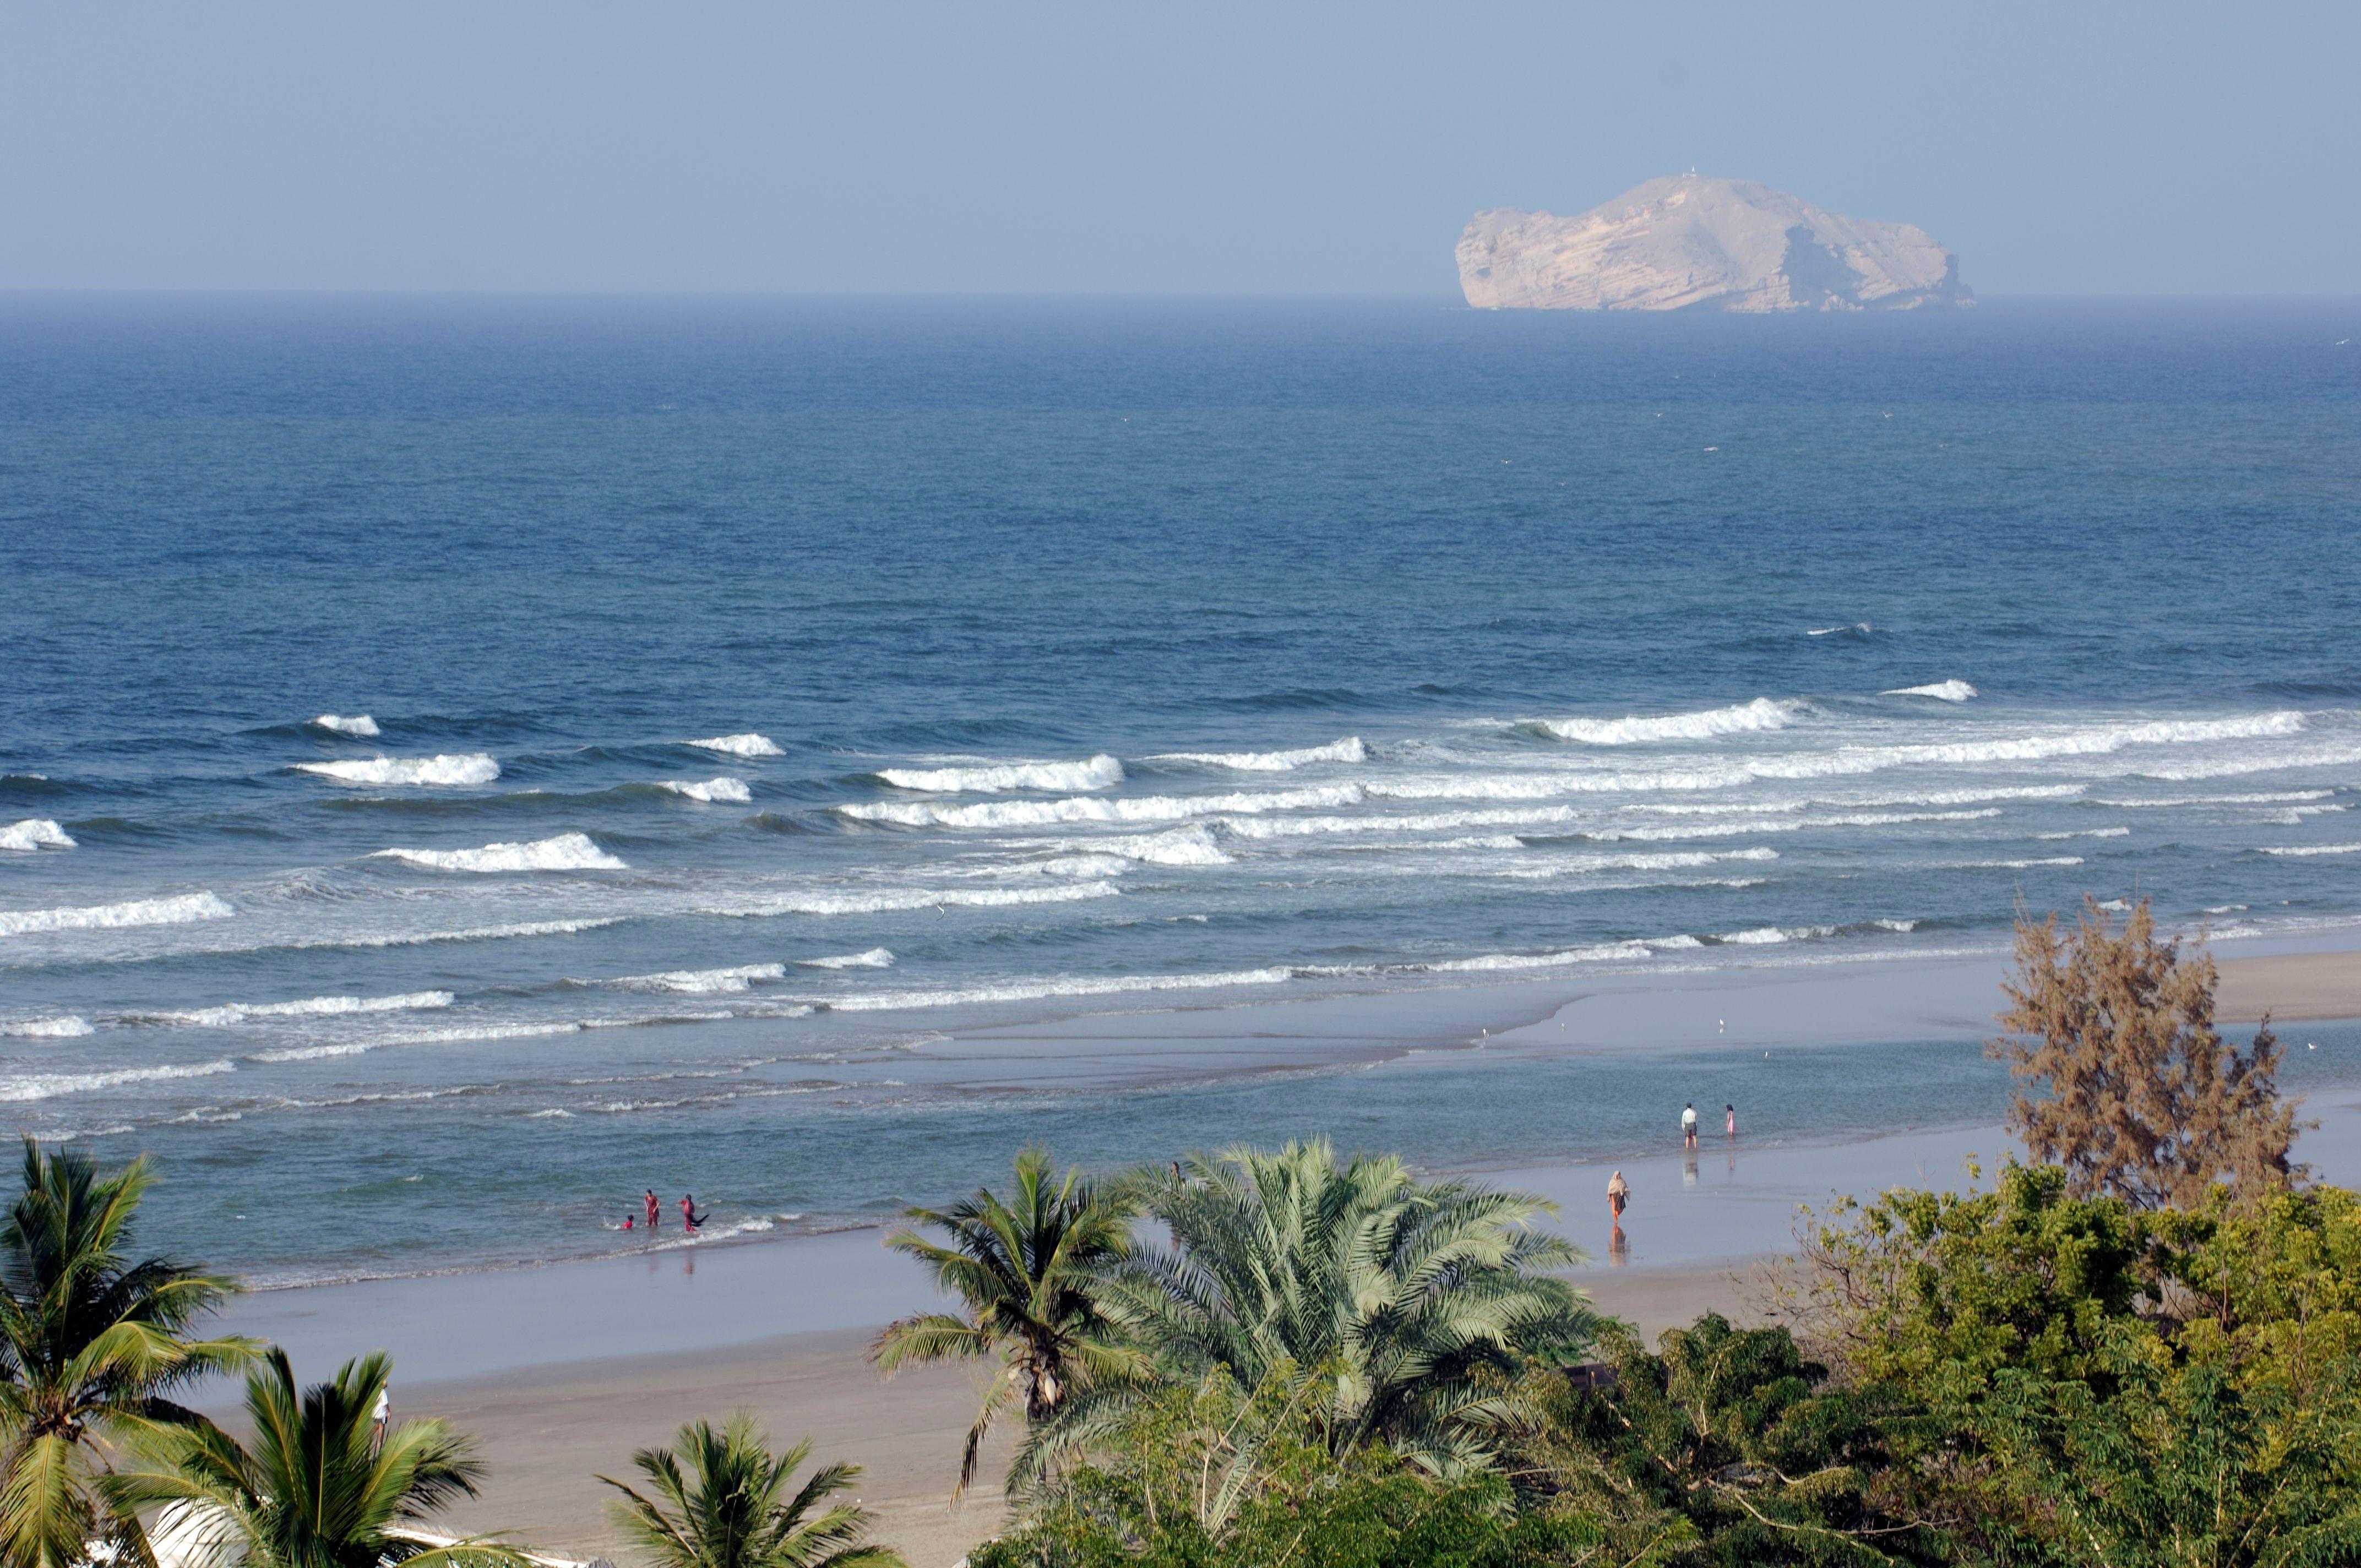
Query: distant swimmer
(688, 1214)
(1688, 1124)
(1618, 1192)
(653, 1208)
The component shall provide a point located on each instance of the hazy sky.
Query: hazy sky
(1196, 146)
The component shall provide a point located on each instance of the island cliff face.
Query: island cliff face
(1690, 242)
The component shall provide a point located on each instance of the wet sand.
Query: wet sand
(2290, 986)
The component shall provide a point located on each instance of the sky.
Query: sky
(2071, 147)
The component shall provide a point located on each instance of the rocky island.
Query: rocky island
(1693, 241)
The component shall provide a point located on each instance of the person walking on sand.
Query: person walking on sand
(1688, 1124)
(377, 1419)
(654, 1208)
(1619, 1193)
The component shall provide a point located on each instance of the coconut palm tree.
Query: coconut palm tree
(1024, 1272)
(93, 1345)
(317, 1488)
(1409, 1292)
(730, 1507)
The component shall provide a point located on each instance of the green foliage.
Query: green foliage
(94, 1346)
(722, 1499)
(1727, 1447)
(1026, 1272)
(2272, 1290)
(1409, 1295)
(314, 1488)
(1208, 1473)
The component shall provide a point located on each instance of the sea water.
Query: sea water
(462, 762)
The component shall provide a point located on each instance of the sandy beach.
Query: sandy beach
(561, 1371)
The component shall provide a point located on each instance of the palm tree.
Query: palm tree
(1024, 1271)
(92, 1347)
(729, 1508)
(318, 1488)
(1408, 1292)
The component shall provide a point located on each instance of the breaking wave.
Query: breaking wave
(440, 771)
(471, 934)
(1942, 691)
(1638, 729)
(700, 982)
(1348, 750)
(359, 724)
(1097, 772)
(63, 1027)
(2316, 850)
(875, 957)
(1192, 844)
(45, 1085)
(884, 902)
(310, 1007)
(35, 833)
(1140, 808)
(564, 852)
(174, 911)
(733, 791)
(1765, 936)
(746, 745)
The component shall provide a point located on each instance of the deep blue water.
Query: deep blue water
(1334, 646)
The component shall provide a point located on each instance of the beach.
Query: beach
(561, 1370)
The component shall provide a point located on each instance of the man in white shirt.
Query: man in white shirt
(1688, 1124)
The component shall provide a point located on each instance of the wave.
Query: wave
(457, 1035)
(1942, 691)
(1098, 772)
(1852, 629)
(733, 791)
(2267, 798)
(1789, 824)
(1076, 986)
(2087, 833)
(1765, 936)
(2316, 850)
(1348, 750)
(700, 982)
(1639, 729)
(172, 911)
(564, 852)
(310, 1007)
(47, 1085)
(359, 724)
(35, 833)
(1191, 844)
(875, 957)
(448, 770)
(2009, 865)
(65, 1027)
(470, 934)
(1139, 808)
(887, 902)
(746, 745)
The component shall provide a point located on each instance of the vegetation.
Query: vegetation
(722, 1499)
(1024, 1271)
(2138, 1095)
(316, 1488)
(94, 1344)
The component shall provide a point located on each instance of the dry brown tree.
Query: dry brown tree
(2121, 1077)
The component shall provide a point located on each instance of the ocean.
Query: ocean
(465, 761)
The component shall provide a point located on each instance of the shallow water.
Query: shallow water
(752, 692)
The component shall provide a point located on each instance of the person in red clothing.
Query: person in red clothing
(688, 1214)
(651, 1208)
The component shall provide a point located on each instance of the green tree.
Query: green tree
(2138, 1094)
(314, 1487)
(722, 1499)
(94, 1343)
(1024, 1272)
(1414, 1296)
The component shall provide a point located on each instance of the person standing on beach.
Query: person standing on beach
(1730, 1119)
(1618, 1192)
(653, 1208)
(1688, 1124)
(689, 1217)
(377, 1418)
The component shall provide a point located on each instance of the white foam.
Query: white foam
(701, 981)
(65, 1027)
(420, 1038)
(1765, 936)
(1639, 729)
(875, 957)
(2316, 850)
(35, 833)
(1490, 962)
(1139, 808)
(172, 911)
(2010, 865)
(1074, 986)
(1192, 844)
(1862, 627)
(565, 852)
(2271, 797)
(1897, 924)
(359, 724)
(888, 901)
(1790, 823)
(733, 791)
(746, 745)
(46, 1085)
(1348, 750)
(2088, 833)
(236, 1013)
(1097, 772)
(444, 772)
(1941, 691)
(472, 934)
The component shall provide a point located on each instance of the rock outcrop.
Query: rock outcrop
(1693, 243)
